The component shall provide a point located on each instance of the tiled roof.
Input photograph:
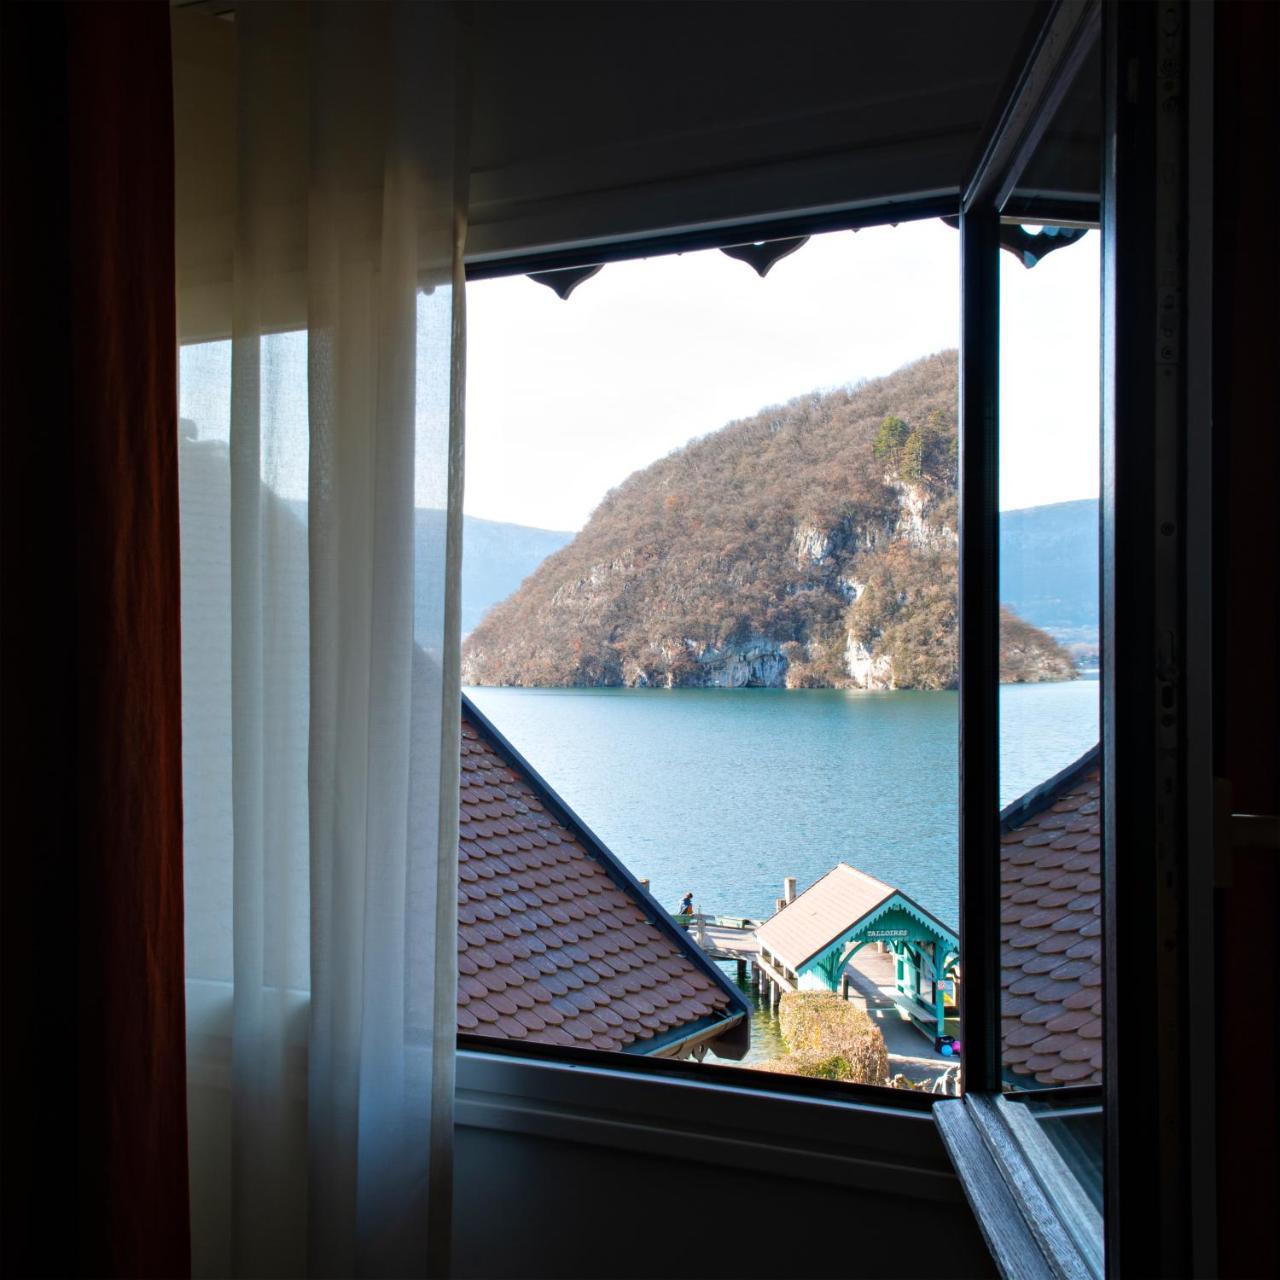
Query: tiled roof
(1051, 929)
(828, 908)
(552, 947)
(825, 910)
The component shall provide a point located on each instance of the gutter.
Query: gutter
(673, 1043)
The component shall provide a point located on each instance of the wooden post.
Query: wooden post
(844, 986)
(644, 884)
(702, 925)
(779, 903)
(789, 888)
(742, 970)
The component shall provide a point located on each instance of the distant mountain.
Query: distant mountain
(812, 545)
(1049, 568)
(496, 559)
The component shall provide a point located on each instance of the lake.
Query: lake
(723, 792)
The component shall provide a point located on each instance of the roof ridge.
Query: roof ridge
(609, 862)
(848, 866)
(865, 881)
(1044, 794)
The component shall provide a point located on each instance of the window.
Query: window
(737, 664)
(1138, 453)
(1051, 858)
(1035, 903)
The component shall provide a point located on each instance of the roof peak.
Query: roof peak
(1041, 796)
(858, 871)
(834, 909)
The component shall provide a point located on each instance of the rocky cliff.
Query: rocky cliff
(813, 545)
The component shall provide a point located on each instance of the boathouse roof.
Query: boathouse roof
(1051, 930)
(557, 942)
(833, 906)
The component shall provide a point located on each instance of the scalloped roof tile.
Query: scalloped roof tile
(538, 912)
(1051, 918)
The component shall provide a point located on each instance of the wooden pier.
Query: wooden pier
(733, 938)
(893, 958)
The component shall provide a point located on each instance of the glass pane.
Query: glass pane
(710, 590)
(1061, 1135)
(1050, 628)
(1050, 661)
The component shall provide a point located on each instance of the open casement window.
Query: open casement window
(1032, 930)
(850, 140)
(1059, 877)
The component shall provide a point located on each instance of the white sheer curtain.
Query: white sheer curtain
(321, 489)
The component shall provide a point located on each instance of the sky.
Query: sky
(566, 398)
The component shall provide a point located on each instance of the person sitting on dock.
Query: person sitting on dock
(686, 905)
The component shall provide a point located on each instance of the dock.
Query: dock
(892, 958)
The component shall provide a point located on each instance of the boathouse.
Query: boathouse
(557, 943)
(1051, 931)
(806, 945)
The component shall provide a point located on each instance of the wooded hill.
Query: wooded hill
(812, 545)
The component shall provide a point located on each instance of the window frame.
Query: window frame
(1024, 1225)
(855, 217)
(1147, 593)
(1154, 368)
(1038, 87)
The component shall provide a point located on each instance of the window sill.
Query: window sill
(1023, 1229)
(854, 1143)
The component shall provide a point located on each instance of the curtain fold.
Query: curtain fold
(321, 496)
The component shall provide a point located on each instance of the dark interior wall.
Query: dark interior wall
(576, 1169)
(620, 74)
(601, 122)
(591, 121)
(1247, 578)
(534, 1207)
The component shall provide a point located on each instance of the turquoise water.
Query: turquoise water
(724, 792)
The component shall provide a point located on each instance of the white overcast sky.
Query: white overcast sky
(566, 399)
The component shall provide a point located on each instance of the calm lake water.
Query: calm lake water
(723, 792)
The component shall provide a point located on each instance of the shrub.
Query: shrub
(830, 1039)
(817, 1066)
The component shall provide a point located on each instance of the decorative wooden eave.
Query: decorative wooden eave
(873, 899)
(916, 927)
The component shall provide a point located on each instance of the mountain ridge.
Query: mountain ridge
(812, 544)
(496, 558)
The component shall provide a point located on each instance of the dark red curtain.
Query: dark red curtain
(94, 1137)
